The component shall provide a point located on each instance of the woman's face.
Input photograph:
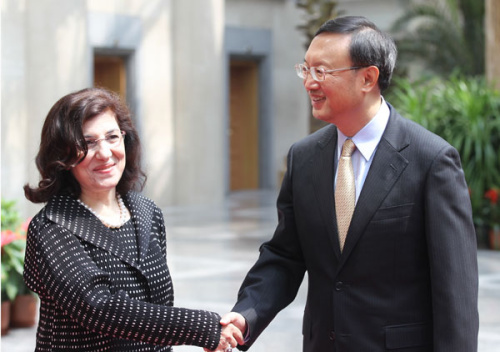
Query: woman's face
(102, 168)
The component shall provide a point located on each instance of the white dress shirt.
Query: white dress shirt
(366, 141)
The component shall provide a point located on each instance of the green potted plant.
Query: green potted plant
(6, 282)
(17, 299)
(12, 268)
(466, 112)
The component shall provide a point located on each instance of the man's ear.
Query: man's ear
(370, 78)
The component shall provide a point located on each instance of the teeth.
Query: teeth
(103, 167)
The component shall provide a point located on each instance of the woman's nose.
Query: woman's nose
(103, 151)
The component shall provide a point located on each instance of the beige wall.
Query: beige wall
(178, 82)
(290, 102)
(47, 48)
(381, 12)
(198, 32)
(34, 75)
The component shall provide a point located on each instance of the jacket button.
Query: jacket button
(332, 335)
(339, 285)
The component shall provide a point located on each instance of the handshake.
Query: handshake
(233, 329)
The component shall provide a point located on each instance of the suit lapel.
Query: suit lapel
(386, 168)
(323, 165)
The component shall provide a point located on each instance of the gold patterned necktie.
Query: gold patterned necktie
(345, 191)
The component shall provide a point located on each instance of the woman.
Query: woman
(96, 253)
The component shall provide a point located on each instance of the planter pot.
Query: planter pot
(23, 311)
(494, 239)
(5, 317)
(482, 236)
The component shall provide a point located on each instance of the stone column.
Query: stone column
(200, 129)
(44, 57)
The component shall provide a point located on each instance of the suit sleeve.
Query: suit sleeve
(273, 282)
(58, 267)
(452, 251)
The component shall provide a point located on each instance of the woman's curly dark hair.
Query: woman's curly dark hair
(63, 146)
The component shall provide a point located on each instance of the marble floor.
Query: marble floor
(210, 249)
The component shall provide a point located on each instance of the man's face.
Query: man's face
(337, 97)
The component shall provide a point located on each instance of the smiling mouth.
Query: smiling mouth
(316, 99)
(102, 168)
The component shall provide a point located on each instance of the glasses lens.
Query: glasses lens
(318, 74)
(300, 70)
(91, 144)
(113, 140)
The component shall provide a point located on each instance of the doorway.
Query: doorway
(244, 125)
(110, 73)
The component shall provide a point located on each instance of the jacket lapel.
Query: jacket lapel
(323, 166)
(387, 166)
(142, 217)
(69, 213)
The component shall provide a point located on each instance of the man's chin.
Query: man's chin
(318, 116)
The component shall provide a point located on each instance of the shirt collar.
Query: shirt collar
(369, 136)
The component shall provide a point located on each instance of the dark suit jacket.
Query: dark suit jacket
(80, 271)
(407, 278)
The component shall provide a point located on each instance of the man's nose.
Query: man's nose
(309, 82)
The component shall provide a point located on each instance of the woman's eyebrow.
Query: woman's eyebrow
(108, 132)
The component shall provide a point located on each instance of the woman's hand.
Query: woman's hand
(233, 327)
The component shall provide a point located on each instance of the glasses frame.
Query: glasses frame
(122, 135)
(313, 71)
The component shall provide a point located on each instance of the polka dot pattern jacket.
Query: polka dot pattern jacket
(97, 295)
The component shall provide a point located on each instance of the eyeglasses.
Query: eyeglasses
(319, 73)
(112, 140)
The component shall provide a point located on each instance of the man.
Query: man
(405, 276)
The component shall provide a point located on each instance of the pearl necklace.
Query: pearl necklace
(124, 214)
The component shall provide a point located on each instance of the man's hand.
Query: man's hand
(233, 328)
(238, 321)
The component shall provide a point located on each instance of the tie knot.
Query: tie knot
(348, 148)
